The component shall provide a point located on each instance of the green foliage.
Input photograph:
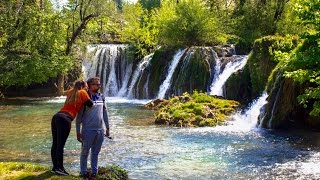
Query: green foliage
(253, 20)
(303, 64)
(150, 4)
(197, 109)
(140, 28)
(87, 22)
(33, 46)
(262, 60)
(112, 172)
(188, 23)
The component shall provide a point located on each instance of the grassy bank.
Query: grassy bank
(28, 171)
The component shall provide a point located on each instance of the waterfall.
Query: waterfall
(166, 83)
(111, 64)
(216, 69)
(137, 73)
(248, 120)
(124, 86)
(89, 66)
(252, 113)
(230, 68)
(146, 87)
(121, 77)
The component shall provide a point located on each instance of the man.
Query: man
(91, 122)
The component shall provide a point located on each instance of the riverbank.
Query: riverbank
(19, 170)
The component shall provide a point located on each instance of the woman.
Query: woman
(61, 123)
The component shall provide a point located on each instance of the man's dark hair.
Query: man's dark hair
(90, 81)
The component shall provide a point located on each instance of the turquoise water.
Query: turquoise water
(148, 151)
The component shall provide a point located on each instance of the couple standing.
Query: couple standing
(89, 109)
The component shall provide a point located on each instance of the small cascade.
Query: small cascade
(217, 68)
(230, 68)
(146, 86)
(248, 120)
(137, 73)
(124, 87)
(166, 83)
(252, 113)
(184, 68)
(111, 86)
(268, 116)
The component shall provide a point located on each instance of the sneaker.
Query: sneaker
(53, 170)
(61, 172)
(84, 175)
(93, 176)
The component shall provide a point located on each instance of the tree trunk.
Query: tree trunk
(60, 84)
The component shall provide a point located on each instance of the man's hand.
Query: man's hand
(107, 133)
(79, 137)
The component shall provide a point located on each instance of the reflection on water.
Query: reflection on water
(157, 152)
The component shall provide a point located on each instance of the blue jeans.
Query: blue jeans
(91, 139)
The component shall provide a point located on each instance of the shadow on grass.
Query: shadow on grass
(48, 175)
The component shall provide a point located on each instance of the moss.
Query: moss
(18, 170)
(192, 110)
(159, 63)
(262, 59)
(238, 87)
(193, 72)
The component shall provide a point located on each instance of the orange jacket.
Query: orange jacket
(74, 108)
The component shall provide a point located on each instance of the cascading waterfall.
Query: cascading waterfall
(167, 82)
(89, 67)
(216, 69)
(246, 121)
(111, 86)
(186, 62)
(121, 78)
(124, 87)
(137, 73)
(230, 68)
(111, 64)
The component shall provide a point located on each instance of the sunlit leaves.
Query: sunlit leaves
(304, 66)
(33, 49)
(190, 22)
(140, 28)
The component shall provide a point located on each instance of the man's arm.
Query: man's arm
(106, 120)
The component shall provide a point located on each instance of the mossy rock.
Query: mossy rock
(193, 110)
(158, 66)
(19, 170)
(262, 61)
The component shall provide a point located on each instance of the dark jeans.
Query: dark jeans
(60, 127)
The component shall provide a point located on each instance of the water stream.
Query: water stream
(148, 151)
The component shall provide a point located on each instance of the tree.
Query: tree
(150, 4)
(140, 29)
(188, 23)
(32, 48)
(304, 63)
(77, 15)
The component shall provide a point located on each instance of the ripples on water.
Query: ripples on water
(147, 151)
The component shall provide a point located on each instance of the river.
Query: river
(150, 151)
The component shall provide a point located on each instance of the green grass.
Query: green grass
(28, 171)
